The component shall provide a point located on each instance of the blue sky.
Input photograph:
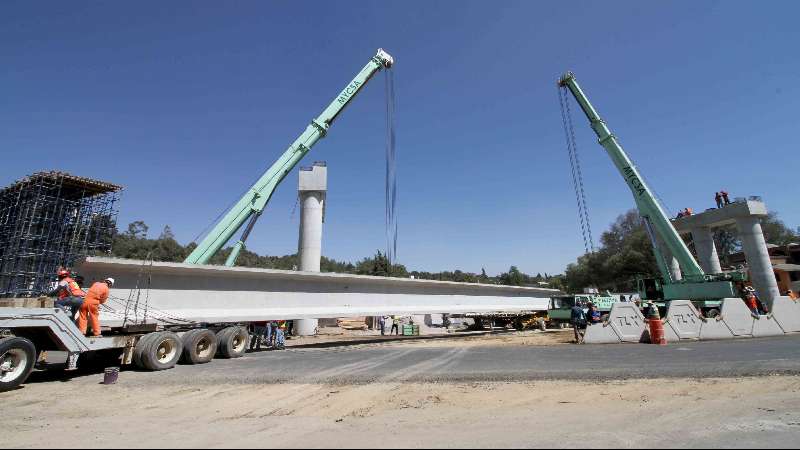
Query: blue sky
(185, 103)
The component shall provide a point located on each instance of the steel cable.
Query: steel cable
(391, 170)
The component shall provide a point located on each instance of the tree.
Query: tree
(167, 233)
(138, 230)
(625, 253)
(513, 277)
(379, 266)
(776, 232)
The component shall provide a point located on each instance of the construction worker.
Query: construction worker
(257, 333)
(725, 197)
(90, 311)
(382, 325)
(594, 314)
(395, 325)
(718, 198)
(751, 300)
(578, 319)
(69, 293)
(280, 340)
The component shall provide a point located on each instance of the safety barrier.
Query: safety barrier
(684, 322)
(625, 324)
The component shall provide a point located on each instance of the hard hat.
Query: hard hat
(63, 273)
(109, 280)
(749, 289)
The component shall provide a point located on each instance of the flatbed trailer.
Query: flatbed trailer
(27, 335)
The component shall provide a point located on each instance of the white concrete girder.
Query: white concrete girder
(236, 294)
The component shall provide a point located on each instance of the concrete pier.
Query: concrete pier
(312, 190)
(746, 215)
(757, 254)
(707, 255)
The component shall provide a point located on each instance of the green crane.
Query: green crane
(250, 207)
(695, 284)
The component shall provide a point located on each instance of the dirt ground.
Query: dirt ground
(460, 339)
(646, 413)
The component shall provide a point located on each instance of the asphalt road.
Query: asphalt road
(409, 363)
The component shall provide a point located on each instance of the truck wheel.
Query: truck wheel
(140, 349)
(199, 346)
(712, 313)
(161, 351)
(17, 357)
(232, 342)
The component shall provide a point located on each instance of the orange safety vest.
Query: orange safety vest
(71, 289)
(751, 301)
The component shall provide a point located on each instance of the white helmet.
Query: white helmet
(110, 281)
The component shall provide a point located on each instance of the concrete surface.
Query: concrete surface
(399, 396)
(368, 363)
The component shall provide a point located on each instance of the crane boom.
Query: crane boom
(649, 207)
(252, 204)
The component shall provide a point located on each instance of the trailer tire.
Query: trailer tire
(162, 351)
(232, 342)
(140, 349)
(17, 358)
(199, 346)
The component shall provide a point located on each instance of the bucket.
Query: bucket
(111, 375)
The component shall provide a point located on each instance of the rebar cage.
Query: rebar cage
(48, 221)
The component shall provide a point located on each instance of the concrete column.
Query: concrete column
(675, 268)
(310, 243)
(312, 191)
(707, 255)
(672, 262)
(757, 254)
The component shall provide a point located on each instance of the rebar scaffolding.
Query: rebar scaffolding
(48, 221)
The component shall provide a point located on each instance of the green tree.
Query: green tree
(625, 253)
(776, 232)
(138, 230)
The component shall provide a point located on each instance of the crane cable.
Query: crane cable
(391, 171)
(577, 173)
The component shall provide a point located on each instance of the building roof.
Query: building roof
(72, 186)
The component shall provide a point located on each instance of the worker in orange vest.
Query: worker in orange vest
(751, 301)
(725, 197)
(90, 311)
(69, 293)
